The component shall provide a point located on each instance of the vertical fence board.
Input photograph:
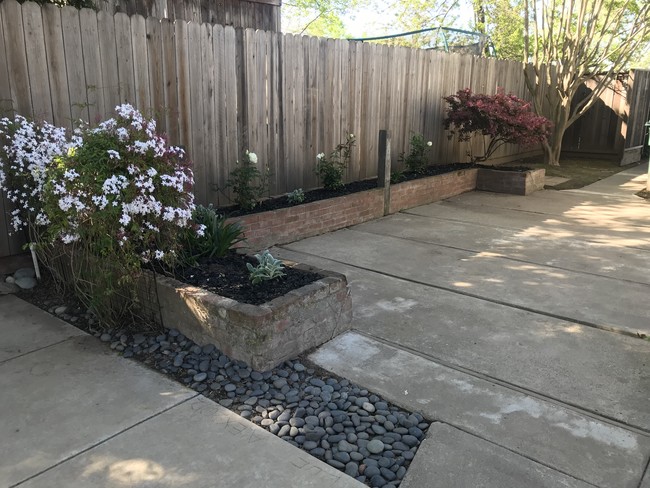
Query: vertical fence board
(12, 28)
(6, 104)
(124, 53)
(110, 83)
(92, 65)
(196, 112)
(155, 72)
(140, 70)
(170, 81)
(58, 77)
(77, 86)
(232, 104)
(36, 61)
(208, 124)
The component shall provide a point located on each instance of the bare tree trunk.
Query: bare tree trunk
(553, 149)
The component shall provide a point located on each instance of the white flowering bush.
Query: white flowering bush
(247, 182)
(109, 197)
(27, 150)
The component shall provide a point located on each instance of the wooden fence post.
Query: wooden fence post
(383, 167)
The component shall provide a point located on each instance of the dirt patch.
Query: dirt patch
(580, 172)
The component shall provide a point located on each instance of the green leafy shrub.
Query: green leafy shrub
(213, 236)
(416, 160)
(330, 169)
(296, 196)
(109, 199)
(268, 268)
(248, 183)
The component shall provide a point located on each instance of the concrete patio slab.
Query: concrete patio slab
(196, 444)
(584, 223)
(485, 275)
(450, 457)
(63, 399)
(25, 328)
(578, 445)
(549, 356)
(629, 181)
(585, 257)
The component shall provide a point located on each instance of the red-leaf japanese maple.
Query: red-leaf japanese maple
(505, 119)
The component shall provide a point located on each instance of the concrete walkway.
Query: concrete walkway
(74, 414)
(512, 321)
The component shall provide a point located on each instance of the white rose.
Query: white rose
(252, 157)
(429, 143)
(320, 156)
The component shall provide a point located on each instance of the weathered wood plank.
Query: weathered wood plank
(92, 65)
(77, 86)
(140, 61)
(124, 52)
(110, 80)
(14, 39)
(155, 72)
(36, 61)
(170, 81)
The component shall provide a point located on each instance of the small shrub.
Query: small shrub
(296, 196)
(504, 119)
(268, 268)
(211, 237)
(416, 160)
(330, 169)
(397, 177)
(248, 183)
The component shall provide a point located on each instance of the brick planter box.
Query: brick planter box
(422, 191)
(265, 335)
(513, 182)
(266, 229)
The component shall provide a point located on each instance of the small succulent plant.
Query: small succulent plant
(296, 196)
(268, 268)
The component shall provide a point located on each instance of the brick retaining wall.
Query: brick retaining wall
(265, 229)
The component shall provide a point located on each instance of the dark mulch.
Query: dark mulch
(354, 187)
(229, 277)
(520, 169)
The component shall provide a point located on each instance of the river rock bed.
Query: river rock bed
(331, 418)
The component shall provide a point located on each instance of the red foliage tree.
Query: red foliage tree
(505, 119)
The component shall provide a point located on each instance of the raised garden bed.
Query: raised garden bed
(260, 335)
(515, 181)
(284, 225)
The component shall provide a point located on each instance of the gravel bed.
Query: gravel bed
(331, 418)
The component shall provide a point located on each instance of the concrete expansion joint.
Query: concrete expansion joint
(106, 439)
(516, 453)
(35, 350)
(511, 386)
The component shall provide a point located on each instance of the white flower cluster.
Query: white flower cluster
(148, 189)
(26, 151)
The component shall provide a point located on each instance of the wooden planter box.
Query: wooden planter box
(265, 335)
(513, 182)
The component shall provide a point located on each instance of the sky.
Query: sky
(371, 21)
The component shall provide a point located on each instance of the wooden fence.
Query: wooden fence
(255, 14)
(219, 90)
(615, 124)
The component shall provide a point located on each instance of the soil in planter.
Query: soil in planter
(520, 169)
(229, 277)
(354, 187)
